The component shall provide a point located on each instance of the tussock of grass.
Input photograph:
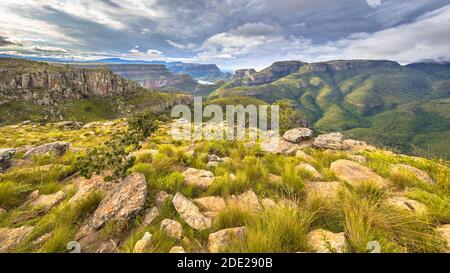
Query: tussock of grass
(396, 230)
(438, 206)
(13, 193)
(280, 230)
(62, 221)
(232, 217)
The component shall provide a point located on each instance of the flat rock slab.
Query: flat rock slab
(47, 201)
(11, 237)
(407, 204)
(355, 173)
(298, 134)
(219, 240)
(122, 203)
(198, 178)
(57, 148)
(190, 213)
(245, 201)
(421, 175)
(324, 241)
(333, 141)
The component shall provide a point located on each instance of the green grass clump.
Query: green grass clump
(281, 230)
(62, 222)
(396, 230)
(438, 205)
(13, 193)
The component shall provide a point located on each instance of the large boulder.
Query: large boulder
(190, 213)
(324, 241)
(198, 178)
(57, 148)
(355, 173)
(219, 240)
(123, 202)
(334, 141)
(47, 201)
(245, 201)
(5, 158)
(298, 134)
(11, 237)
(172, 228)
(143, 244)
(421, 175)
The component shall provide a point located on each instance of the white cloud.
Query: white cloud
(189, 46)
(374, 3)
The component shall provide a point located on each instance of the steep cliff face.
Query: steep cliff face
(45, 83)
(206, 72)
(342, 65)
(151, 76)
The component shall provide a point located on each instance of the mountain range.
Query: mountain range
(383, 102)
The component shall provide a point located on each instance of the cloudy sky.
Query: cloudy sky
(230, 33)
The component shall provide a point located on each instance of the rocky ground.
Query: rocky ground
(309, 194)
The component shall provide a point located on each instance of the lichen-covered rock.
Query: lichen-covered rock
(407, 204)
(88, 186)
(143, 244)
(324, 241)
(219, 240)
(422, 175)
(198, 178)
(315, 175)
(298, 134)
(57, 148)
(11, 237)
(177, 249)
(246, 201)
(172, 228)
(334, 141)
(190, 213)
(5, 158)
(150, 215)
(47, 201)
(122, 203)
(355, 173)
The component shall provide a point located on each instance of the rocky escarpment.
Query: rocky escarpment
(342, 65)
(206, 72)
(46, 83)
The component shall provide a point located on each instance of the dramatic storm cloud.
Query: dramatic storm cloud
(231, 33)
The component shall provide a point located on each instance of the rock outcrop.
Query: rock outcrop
(219, 240)
(125, 201)
(324, 241)
(355, 173)
(198, 178)
(190, 213)
(57, 148)
(11, 237)
(47, 201)
(298, 134)
(5, 158)
(45, 83)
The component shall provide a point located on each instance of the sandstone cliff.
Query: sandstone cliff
(46, 83)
